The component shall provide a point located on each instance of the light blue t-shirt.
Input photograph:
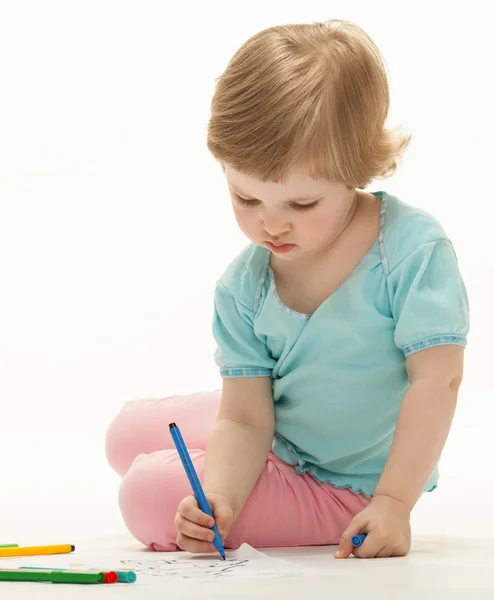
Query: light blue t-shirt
(339, 375)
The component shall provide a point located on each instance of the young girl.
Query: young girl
(340, 329)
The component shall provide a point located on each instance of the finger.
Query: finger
(192, 545)
(223, 529)
(345, 547)
(370, 548)
(189, 510)
(193, 530)
(224, 517)
(385, 552)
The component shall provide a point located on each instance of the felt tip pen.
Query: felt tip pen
(121, 576)
(358, 540)
(36, 550)
(109, 576)
(195, 484)
(52, 576)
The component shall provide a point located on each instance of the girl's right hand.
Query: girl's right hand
(194, 526)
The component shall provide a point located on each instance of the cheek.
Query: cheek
(319, 226)
(246, 219)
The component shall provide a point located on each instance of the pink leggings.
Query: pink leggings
(284, 509)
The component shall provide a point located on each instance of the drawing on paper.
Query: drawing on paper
(203, 567)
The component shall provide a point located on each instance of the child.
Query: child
(340, 329)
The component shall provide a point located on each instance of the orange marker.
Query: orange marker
(36, 550)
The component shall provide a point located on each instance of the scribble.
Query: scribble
(195, 568)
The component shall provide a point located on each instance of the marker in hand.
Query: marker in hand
(195, 484)
(358, 540)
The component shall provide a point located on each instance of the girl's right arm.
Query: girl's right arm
(235, 456)
(241, 439)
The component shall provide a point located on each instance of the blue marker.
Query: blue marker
(358, 540)
(195, 484)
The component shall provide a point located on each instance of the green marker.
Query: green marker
(123, 576)
(53, 576)
(9, 546)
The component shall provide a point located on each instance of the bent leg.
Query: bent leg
(289, 509)
(284, 509)
(141, 427)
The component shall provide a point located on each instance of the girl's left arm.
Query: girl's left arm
(423, 422)
(422, 428)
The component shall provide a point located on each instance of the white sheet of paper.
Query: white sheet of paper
(155, 567)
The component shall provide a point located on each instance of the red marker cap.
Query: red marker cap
(110, 577)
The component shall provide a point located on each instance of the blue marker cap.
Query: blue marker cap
(358, 540)
(126, 576)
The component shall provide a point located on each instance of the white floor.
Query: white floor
(452, 554)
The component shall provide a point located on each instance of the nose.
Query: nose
(275, 226)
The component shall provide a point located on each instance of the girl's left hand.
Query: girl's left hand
(386, 522)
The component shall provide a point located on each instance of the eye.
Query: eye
(246, 202)
(298, 207)
(302, 207)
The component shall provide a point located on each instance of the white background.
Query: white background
(115, 221)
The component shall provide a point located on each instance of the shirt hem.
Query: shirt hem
(348, 486)
(355, 490)
(245, 372)
(438, 340)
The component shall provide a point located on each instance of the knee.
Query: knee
(115, 445)
(149, 496)
(122, 438)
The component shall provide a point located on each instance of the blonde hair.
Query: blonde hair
(311, 97)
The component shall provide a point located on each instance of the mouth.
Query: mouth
(279, 248)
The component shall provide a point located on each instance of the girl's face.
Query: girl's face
(294, 220)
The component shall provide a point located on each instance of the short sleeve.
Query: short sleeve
(428, 299)
(240, 352)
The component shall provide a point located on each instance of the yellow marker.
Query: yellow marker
(36, 550)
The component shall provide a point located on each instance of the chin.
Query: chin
(290, 257)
